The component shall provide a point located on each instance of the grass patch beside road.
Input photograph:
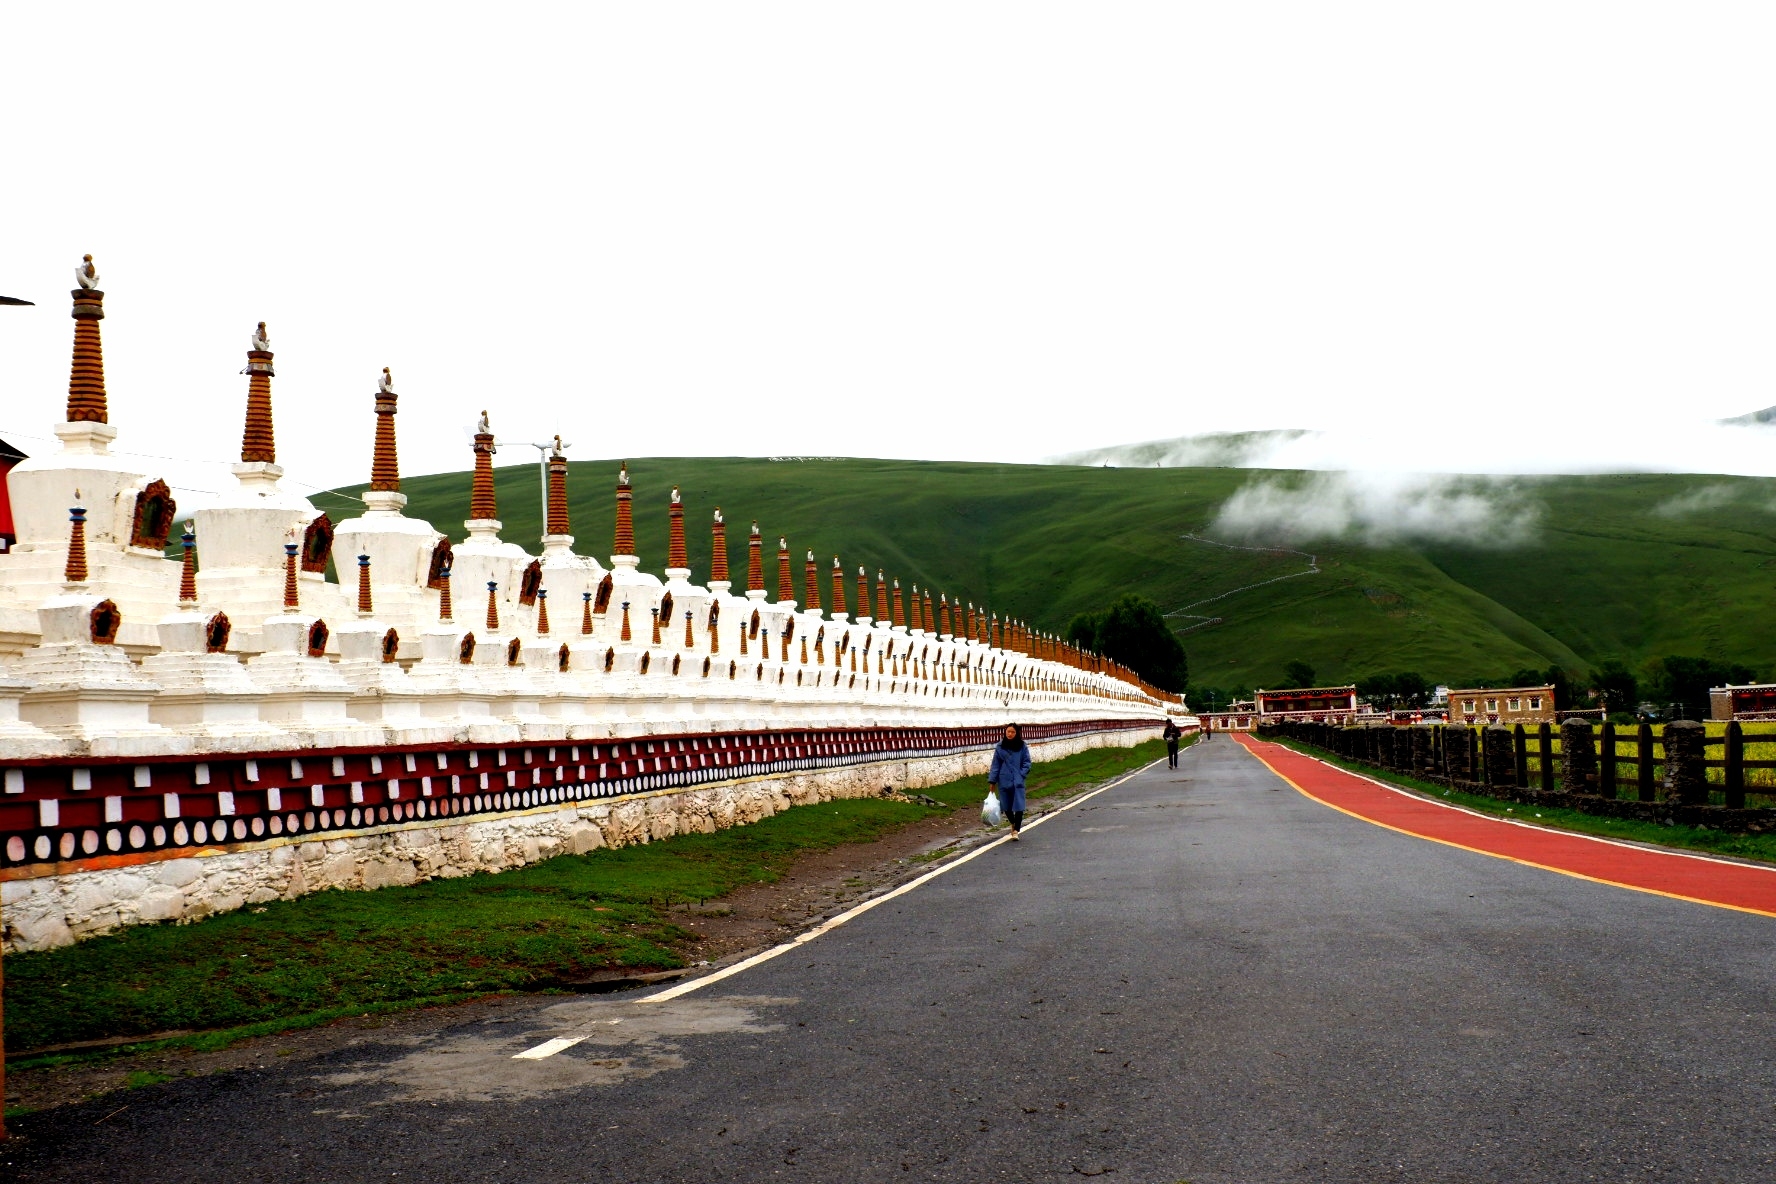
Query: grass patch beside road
(1714, 842)
(332, 954)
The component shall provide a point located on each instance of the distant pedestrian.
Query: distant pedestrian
(1172, 735)
(1011, 764)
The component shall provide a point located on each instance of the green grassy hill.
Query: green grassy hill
(1606, 575)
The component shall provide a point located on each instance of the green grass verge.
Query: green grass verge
(1761, 847)
(334, 954)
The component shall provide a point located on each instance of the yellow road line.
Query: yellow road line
(1738, 908)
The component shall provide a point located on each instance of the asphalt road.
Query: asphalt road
(1196, 976)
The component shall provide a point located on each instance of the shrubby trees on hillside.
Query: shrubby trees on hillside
(1389, 692)
(1133, 631)
(1614, 685)
(1679, 686)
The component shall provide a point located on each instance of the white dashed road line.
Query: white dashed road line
(866, 906)
(547, 1048)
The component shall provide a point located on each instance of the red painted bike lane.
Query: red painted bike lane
(1695, 878)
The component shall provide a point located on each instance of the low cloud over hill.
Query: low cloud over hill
(1380, 509)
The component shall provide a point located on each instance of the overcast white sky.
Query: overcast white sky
(991, 232)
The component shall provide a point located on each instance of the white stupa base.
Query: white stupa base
(209, 697)
(19, 739)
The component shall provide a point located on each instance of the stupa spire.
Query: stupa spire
(258, 442)
(385, 466)
(86, 376)
(943, 615)
(881, 597)
(585, 613)
(676, 557)
(557, 520)
(444, 607)
(365, 604)
(755, 560)
(492, 606)
(811, 581)
(482, 505)
(899, 607)
(862, 592)
(785, 583)
(74, 572)
(292, 598)
(542, 612)
(625, 540)
(718, 549)
(838, 589)
(188, 568)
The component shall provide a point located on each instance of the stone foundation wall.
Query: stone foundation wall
(59, 909)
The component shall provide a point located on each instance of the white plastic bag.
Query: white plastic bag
(990, 809)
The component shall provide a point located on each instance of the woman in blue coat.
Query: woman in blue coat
(1011, 764)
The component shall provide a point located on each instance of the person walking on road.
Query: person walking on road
(1172, 735)
(1011, 764)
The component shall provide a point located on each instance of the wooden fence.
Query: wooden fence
(1678, 773)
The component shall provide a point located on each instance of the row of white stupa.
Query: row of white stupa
(385, 662)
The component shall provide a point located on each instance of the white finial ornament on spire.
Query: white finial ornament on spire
(385, 385)
(86, 275)
(260, 341)
(483, 427)
(675, 497)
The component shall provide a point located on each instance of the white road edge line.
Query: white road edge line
(547, 1048)
(866, 906)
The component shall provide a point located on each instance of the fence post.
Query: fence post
(1419, 761)
(1578, 760)
(1520, 756)
(1643, 760)
(1734, 763)
(1457, 753)
(1501, 765)
(1606, 760)
(1545, 751)
(1686, 777)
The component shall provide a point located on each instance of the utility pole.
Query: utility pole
(543, 451)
